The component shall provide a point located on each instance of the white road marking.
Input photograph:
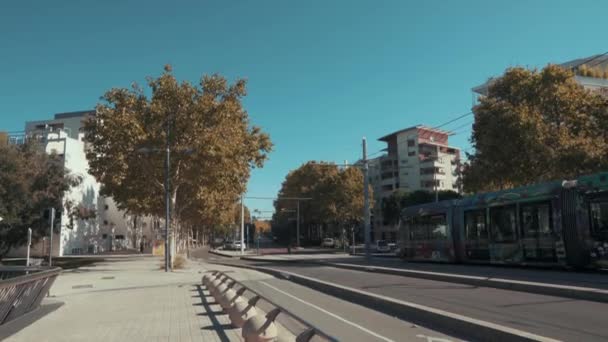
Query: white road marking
(433, 339)
(329, 313)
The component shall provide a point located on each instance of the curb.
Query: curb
(574, 292)
(223, 254)
(443, 321)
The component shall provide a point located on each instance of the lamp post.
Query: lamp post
(167, 185)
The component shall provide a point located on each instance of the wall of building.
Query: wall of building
(112, 229)
(404, 150)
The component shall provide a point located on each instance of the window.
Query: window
(475, 225)
(599, 217)
(119, 237)
(104, 236)
(411, 154)
(105, 222)
(106, 207)
(536, 220)
(503, 224)
(411, 143)
(425, 227)
(438, 227)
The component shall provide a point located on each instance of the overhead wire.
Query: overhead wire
(453, 120)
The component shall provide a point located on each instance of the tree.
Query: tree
(533, 126)
(399, 200)
(31, 182)
(336, 197)
(213, 148)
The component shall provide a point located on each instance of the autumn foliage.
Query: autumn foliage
(535, 126)
(212, 142)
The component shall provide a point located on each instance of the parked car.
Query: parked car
(382, 246)
(328, 243)
(217, 242)
(233, 245)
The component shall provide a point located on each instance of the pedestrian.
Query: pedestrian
(141, 247)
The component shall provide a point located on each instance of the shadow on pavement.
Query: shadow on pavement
(212, 315)
(24, 321)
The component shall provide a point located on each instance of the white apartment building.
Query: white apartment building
(111, 229)
(417, 158)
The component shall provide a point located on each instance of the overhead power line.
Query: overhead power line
(455, 119)
(470, 123)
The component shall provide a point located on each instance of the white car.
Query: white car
(328, 242)
(233, 245)
(382, 246)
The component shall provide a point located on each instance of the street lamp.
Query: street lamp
(167, 150)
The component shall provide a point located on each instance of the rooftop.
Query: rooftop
(596, 62)
(386, 137)
(80, 113)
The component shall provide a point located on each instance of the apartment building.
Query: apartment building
(111, 229)
(416, 158)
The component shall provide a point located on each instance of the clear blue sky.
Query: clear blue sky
(322, 74)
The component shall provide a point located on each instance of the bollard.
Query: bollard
(221, 290)
(217, 294)
(241, 311)
(207, 278)
(215, 283)
(219, 280)
(228, 298)
(261, 328)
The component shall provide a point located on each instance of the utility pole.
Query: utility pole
(51, 237)
(366, 217)
(167, 199)
(29, 244)
(242, 226)
(298, 225)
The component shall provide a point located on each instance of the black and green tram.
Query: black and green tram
(555, 223)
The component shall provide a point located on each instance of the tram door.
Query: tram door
(537, 234)
(476, 242)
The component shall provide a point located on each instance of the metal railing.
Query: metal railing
(23, 288)
(310, 330)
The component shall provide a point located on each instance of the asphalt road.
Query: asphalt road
(341, 319)
(555, 317)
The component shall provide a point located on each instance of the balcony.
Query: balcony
(431, 176)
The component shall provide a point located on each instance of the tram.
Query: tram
(559, 223)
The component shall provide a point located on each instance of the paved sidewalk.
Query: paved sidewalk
(131, 299)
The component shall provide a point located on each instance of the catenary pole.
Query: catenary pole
(366, 217)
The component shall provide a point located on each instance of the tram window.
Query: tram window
(429, 227)
(418, 229)
(438, 227)
(475, 225)
(503, 224)
(536, 219)
(599, 217)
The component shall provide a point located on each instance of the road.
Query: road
(341, 319)
(555, 317)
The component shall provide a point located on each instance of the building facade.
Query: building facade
(110, 229)
(416, 158)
